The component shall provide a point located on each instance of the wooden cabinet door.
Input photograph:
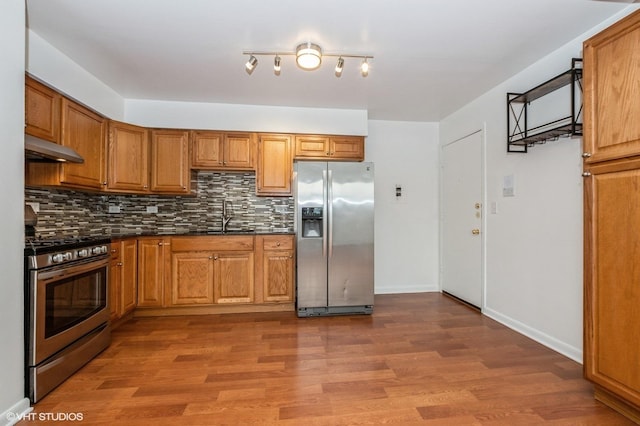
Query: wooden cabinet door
(192, 278)
(170, 161)
(83, 131)
(239, 151)
(42, 111)
(207, 148)
(612, 288)
(275, 165)
(128, 157)
(611, 91)
(312, 147)
(129, 276)
(115, 281)
(347, 148)
(151, 271)
(278, 276)
(233, 277)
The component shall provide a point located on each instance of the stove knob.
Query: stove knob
(96, 250)
(57, 258)
(83, 253)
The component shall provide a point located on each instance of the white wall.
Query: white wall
(12, 42)
(406, 231)
(54, 68)
(534, 242)
(255, 118)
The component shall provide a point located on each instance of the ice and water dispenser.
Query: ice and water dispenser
(312, 222)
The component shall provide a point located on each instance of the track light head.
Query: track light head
(364, 68)
(276, 65)
(339, 66)
(251, 64)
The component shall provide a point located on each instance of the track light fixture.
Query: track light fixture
(251, 64)
(308, 57)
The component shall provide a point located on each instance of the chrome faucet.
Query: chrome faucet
(226, 214)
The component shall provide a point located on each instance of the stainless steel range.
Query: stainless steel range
(66, 312)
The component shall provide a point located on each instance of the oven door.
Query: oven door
(66, 303)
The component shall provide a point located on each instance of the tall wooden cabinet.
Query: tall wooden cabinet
(612, 215)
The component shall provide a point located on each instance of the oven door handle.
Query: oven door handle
(69, 271)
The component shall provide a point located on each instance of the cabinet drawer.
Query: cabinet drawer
(278, 242)
(212, 243)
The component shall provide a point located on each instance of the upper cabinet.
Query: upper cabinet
(82, 130)
(170, 161)
(223, 151)
(275, 165)
(128, 162)
(42, 111)
(334, 148)
(139, 163)
(611, 71)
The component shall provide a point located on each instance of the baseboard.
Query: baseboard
(16, 413)
(407, 289)
(540, 337)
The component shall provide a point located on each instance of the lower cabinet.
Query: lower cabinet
(123, 278)
(218, 273)
(233, 277)
(153, 256)
(278, 268)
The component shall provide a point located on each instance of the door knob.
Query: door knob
(475, 231)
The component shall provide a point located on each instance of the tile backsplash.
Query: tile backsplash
(68, 213)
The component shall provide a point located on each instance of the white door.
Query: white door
(462, 218)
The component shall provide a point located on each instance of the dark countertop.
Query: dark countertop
(116, 236)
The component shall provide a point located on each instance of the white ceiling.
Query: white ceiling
(431, 56)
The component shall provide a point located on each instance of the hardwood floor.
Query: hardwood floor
(419, 359)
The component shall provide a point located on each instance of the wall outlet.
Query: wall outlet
(152, 209)
(114, 209)
(281, 209)
(34, 206)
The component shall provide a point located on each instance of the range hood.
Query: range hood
(37, 149)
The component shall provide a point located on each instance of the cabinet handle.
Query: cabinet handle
(586, 154)
(290, 256)
(278, 244)
(184, 187)
(119, 264)
(160, 243)
(113, 250)
(586, 174)
(210, 257)
(327, 152)
(104, 183)
(215, 257)
(145, 186)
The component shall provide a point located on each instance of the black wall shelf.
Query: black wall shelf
(519, 136)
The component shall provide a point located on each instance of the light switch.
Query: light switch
(508, 186)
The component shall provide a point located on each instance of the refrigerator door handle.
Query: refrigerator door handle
(324, 222)
(330, 208)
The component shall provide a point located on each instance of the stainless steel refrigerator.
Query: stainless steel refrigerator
(334, 236)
